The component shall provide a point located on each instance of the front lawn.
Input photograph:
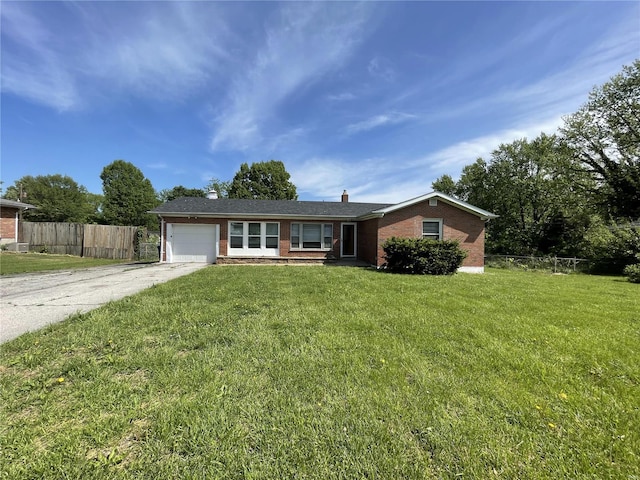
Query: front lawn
(12, 262)
(332, 372)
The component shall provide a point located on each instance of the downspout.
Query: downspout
(16, 228)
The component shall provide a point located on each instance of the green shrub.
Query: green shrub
(422, 256)
(633, 272)
(611, 247)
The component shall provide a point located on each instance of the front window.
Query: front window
(432, 229)
(311, 236)
(236, 234)
(254, 238)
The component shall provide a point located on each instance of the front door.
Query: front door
(348, 242)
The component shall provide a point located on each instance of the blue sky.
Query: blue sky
(378, 98)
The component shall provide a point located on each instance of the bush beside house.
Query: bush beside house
(423, 256)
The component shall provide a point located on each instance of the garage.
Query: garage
(192, 243)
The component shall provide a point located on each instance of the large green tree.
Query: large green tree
(527, 183)
(128, 195)
(605, 139)
(58, 198)
(263, 180)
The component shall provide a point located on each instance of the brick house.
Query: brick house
(10, 218)
(287, 231)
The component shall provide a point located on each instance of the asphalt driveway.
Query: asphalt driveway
(32, 301)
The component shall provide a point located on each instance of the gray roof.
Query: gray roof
(226, 207)
(13, 204)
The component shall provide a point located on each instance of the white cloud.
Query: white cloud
(380, 67)
(171, 54)
(305, 43)
(390, 180)
(158, 166)
(453, 158)
(341, 97)
(327, 177)
(392, 118)
(35, 70)
(166, 54)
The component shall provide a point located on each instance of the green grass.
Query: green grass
(11, 262)
(332, 372)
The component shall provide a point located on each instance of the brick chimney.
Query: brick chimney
(345, 196)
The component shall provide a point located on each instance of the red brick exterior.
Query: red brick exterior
(8, 224)
(457, 224)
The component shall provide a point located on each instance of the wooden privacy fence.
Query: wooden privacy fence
(97, 241)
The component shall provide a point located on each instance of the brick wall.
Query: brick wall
(8, 224)
(457, 224)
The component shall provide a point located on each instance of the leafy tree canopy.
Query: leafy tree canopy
(58, 198)
(445, 184)
(179, 191)
(605, 138)
(263, 180)
(128, 195)
(526, 183)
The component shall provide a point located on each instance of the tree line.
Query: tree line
(127, 195)
(573, 193)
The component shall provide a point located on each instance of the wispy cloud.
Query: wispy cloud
(341, 97)
(172, 52)
(158, 166)
(289, 62)
(393, 179)
(392, 118)
(463, 153)
(381, 67)
(34, 69)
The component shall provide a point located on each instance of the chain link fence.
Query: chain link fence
(548, 263)
(148, 252)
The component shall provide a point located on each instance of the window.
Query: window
(432, 229)
(254, 235)
(236, 234)
(272, 235)
(254, 238)
(311, 236)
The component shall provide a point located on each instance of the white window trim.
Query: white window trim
(315, 249)
(439, 220)
(245, 251)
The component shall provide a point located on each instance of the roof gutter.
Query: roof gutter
(278, 216)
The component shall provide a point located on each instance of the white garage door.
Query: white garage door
(192, 243)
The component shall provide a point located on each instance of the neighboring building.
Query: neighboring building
(10, 218)
(245, 231)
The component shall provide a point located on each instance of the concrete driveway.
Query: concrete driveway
(32, 301)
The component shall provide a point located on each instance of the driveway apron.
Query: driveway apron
(31, 301)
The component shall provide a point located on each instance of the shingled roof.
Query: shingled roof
(226, 207)
(13, 204)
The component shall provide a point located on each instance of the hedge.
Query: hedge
(422, 256)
